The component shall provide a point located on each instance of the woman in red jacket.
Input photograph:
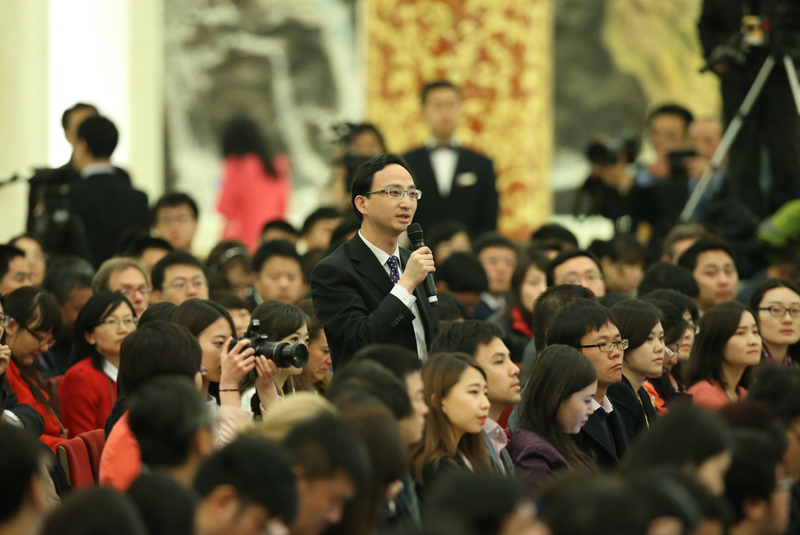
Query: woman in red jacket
(89, 389)
(34, 318)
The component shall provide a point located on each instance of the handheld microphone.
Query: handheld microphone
(417, 241)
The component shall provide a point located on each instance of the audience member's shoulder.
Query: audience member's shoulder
(415, 153)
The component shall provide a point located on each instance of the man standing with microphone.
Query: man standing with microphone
(369, 291)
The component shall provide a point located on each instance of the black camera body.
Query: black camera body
(283, 354)
(606, 150)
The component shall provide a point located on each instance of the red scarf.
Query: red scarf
(519, 323)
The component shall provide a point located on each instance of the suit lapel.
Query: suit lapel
(368, 266)
(428, 183)
(594, 429)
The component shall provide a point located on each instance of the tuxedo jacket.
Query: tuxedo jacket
(350, 290)
(635, 408)
(605, 451)
(473, 198)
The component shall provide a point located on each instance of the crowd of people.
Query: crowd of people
(329, 380)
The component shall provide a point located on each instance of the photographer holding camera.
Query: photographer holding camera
(736, 43)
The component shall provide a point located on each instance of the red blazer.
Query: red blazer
(87, 396)
(52, 428)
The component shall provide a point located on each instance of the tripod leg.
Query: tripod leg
(728, 138)
(791, 72)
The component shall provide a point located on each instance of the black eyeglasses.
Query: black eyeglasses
(43, 341)
(608, 347)
(397, 193)
(778, 311)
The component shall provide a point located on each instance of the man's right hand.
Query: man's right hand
(419, 264)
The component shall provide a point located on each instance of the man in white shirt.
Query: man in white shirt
(369, 290)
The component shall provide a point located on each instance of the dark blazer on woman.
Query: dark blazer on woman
(534, 458)
(603, 439)
(635, 408)
(432, 471)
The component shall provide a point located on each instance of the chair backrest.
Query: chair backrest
(95, 441)
(52, 384)
(74, 459)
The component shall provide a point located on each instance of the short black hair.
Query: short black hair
(100, 306)
(279, 224)
(371, 378)
(281, 248)
(320, 214)
(325, 445)
(174, 258)
(7, 254)
(173, 200)
(443, 231)
(136, 247)
(576, 320)
(565, 255)
(164, 416)
(465, 337)
(451, 309)
(492, 239)
(677, 299)
(463, 272)
(751, 475)
(158, 348)
(636, 320)
(688, 259)
(166, 506)
(162, 311)
(76, 107)
(551, 301)
(100, 134)
(21, 465)
(665, 276)
(437, 84)
(622, 248)
(260, 472)
(65, 275)
(229, 300)
(672, 109)
(362, 181)
(779, 389)
(554, 231)
(398, 360)
(95, 510)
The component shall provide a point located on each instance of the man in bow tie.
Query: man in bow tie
(459, 183)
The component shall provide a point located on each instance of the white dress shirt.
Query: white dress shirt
(402, 294)
(97, 169)
(605, 405)
(110, 370)
(444, 161)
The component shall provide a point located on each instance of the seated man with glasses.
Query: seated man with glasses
(592, 329)
(177, 277)
(126, 276)
(368, 291)
(575, 266)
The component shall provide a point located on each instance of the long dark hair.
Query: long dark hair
(635, 321)
(35, 309)
(530, 260)
(675, 326)
(304, 380)
(758, 295)
(717, 325)
(241, 135)
(557, 374)
(93, 313)
(198, 314)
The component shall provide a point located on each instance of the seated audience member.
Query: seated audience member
(777, 303)
(174, 219)
(664, 494)
(367, 382)
(451, 309)
(483, 341)
(279, 229)
(574, 266)
(667, 388)
(33, 318)
(640, 326)
(166, 506)
(499, 259)
(104, 201)
(96, 510)
(245, 486)
(158, 312)
(689, 311)
(14, 271)
(329, 461)
(623, 260)
(315, 376)
(170, 421)
(177, 277)
(455, 391)
(463, 275)
(345, 232)
(780, 391)
(89, 388)
(756, 486)
(230, 267)
(127, 277)
(611, 299)
(712, 265)
(236, 307)
(69, 281)
(446, 238)
(592, 329)
(319, 226)
(147, 250)
(690, 438)
(556, 404)
(663, 276)
(728, 343)
(554, 231)
(527, 284)
(34, 256)
(24, 501)
(680, 238)
(278, 274)
(279, 322)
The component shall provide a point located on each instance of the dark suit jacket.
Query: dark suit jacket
(107, 205)
(351, 294)
(472, 201)
(534, 458)
(605, 451)
(432, 472)
(635, 414)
